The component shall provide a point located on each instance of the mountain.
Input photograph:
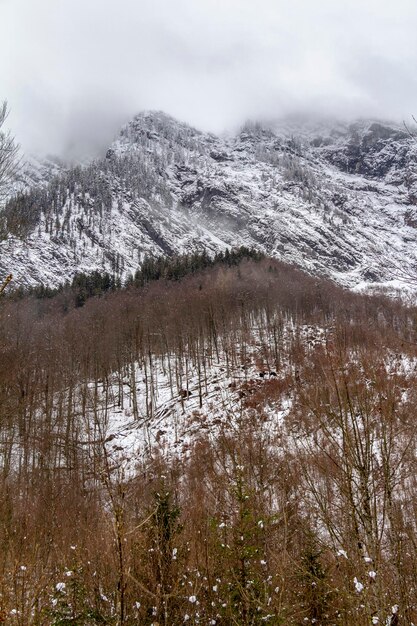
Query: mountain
(34, 172)
(337, 199)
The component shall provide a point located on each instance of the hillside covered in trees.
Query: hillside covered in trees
(333, 198)
(226, 443)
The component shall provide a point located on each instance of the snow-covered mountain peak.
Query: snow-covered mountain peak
(338, 199)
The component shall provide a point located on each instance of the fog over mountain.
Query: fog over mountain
(208, 312)
(337, 200)
(74, 71)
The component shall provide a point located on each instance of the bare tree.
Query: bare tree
(8, 164)
(8, 151)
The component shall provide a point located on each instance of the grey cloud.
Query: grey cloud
(75, 70)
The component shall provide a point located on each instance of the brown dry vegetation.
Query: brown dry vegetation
(250, 526)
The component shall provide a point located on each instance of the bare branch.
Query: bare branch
(5, 283)
(9, 150)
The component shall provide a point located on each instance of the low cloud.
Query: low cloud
(75, 70)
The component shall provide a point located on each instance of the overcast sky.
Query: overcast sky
(74, 70)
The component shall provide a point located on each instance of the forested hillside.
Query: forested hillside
(333, 198)
(232, 443)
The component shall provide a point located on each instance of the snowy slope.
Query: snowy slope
(35, 172)
(338, 200)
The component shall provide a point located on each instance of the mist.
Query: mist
(74, 71)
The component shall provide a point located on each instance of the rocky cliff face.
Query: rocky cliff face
(338, 200)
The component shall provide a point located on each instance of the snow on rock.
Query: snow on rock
(339, 200)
